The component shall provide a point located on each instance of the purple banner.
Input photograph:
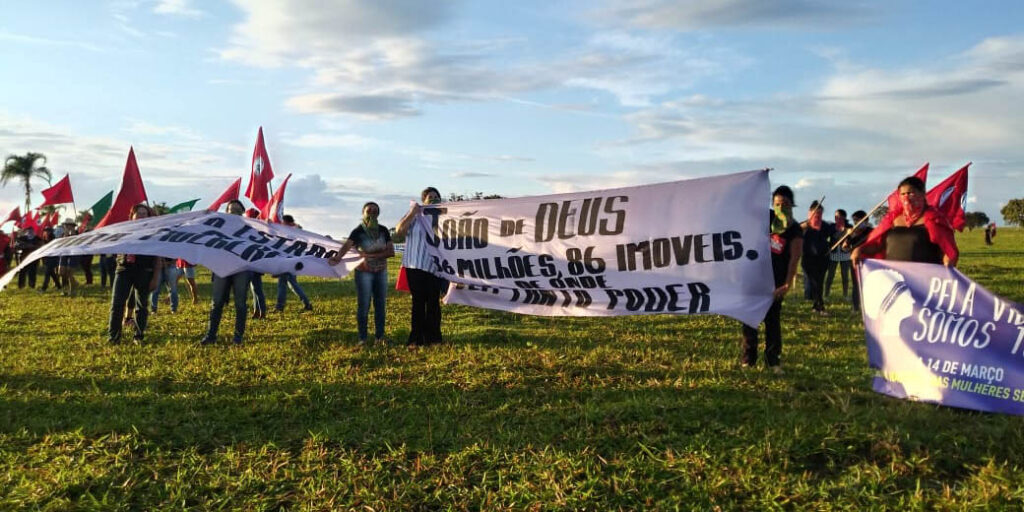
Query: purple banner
(933, 335)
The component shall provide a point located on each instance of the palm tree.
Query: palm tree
(24, 168)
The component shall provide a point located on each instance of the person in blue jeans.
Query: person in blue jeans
(168, 276)
(373, 242)
(286, 280)
(237, 284)
(259, 298)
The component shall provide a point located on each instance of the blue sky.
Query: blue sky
(376, 100)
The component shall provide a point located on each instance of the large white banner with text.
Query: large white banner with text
(224, 243)
(685, 247)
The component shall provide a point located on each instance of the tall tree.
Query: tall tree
(1013, 212)
(24, 168)
(976, 220)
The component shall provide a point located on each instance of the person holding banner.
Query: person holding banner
(373, 242)
(237, 284)
(918, 232)
(136, 277)
(786, 247)
(424, 286)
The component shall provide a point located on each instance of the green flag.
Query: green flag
(183, 207)
(101, 207)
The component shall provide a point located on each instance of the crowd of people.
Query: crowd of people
(916, 232)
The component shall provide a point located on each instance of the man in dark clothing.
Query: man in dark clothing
(856, 238)
(786, 246)
(817, 241)
(24, 245)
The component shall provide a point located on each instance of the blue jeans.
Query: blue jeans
(238, 284)
(259, 297)
(283, 281)
(371, 285)
(168, 276)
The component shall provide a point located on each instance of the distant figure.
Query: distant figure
(856, 238)
(990, 233)
(817, 235)
(24, 244)
(259, 298)
(286, 280)
(839, 257)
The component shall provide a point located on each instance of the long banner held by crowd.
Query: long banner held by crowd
(934, 335)
(685, 247)
(224, 243)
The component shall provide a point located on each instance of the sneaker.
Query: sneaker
(308, 307)
(361, 343)
(236, 341)
(777, 370)
(383, 341)
(207, 341)
(116, 340)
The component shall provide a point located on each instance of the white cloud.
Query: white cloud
(177, 8)
(329, 140)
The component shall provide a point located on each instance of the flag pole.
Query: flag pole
(855, 226)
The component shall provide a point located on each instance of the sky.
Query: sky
(375, 100)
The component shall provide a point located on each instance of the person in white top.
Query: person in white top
(423, 284)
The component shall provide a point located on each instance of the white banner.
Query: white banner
(224, 243)
(685, 247)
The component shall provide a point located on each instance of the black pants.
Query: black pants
(814, 273)
(107, 265)
(844, 271)
(29, 273)
(86, 262)
(855, 294)
(772, 338)
(50, 272)
(223, 287)
(130, 283)
(426, 307)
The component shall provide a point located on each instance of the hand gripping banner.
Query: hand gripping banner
(224, 243)
(934, 335)
(684, 247)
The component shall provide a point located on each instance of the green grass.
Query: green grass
(515, 412)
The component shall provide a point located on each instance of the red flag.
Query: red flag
(402, 283)
(31, 221)
(895, 205)
(275, 208)
(54, 218)
(83, 226)
(229, 194)
(59, 193)
(132, 193)
(46, 222)
(15, 215)
(261, 174)
(948, 198)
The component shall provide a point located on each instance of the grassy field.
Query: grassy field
(514, 412)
